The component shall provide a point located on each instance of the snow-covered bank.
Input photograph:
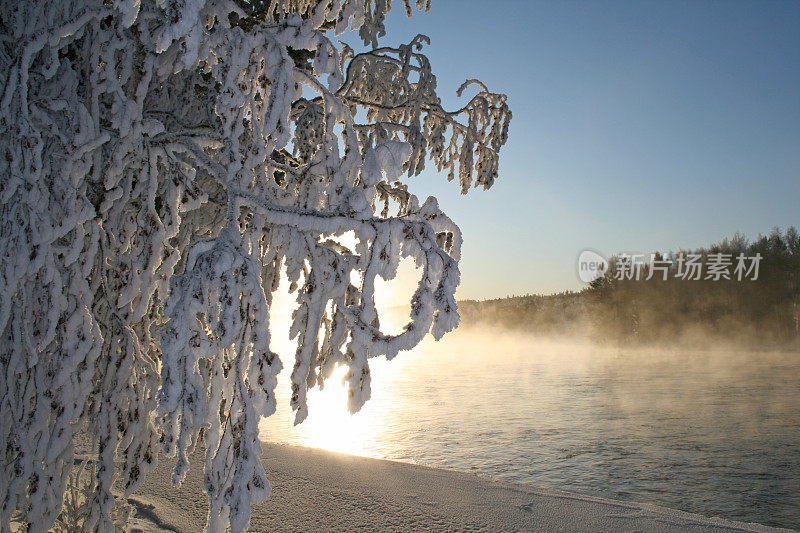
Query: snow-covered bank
(317, 490)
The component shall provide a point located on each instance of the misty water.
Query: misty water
(712, 432)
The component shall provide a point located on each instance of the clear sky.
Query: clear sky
(638, 126)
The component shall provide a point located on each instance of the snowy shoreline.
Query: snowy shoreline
(318, 490)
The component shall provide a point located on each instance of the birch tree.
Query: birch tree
(162, 164)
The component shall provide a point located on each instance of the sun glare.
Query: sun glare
(329, 424)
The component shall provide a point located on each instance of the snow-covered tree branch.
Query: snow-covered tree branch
(162, 162)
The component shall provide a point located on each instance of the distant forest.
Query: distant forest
(761, 312)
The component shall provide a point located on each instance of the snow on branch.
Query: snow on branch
(162, 164)
(398, 90)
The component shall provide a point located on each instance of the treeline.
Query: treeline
(744, 292)
(563, 313)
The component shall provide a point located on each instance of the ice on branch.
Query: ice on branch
(162, 164)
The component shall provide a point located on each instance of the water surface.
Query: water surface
(711, 432)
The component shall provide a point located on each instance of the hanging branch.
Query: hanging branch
(162, 165)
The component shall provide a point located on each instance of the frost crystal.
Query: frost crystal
(162, 162)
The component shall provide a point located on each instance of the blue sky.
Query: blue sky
(638, 126)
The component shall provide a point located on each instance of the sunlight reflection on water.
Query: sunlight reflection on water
(711, 432)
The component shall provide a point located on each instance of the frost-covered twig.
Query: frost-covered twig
(162, 165)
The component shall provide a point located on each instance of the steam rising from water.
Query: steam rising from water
(715, 431)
